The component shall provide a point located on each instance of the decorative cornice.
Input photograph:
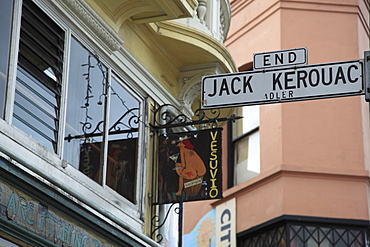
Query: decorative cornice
(87, 17)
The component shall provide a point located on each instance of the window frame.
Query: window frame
(232, 152)
(133, 210)
(38, 51)
(237, 134)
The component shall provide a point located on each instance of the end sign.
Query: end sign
(291, 57)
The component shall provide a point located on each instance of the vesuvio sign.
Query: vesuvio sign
(283, 85)
(190, 166)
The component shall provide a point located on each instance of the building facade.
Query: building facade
(79, 84)
(297, 173)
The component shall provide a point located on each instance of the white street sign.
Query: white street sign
(291, 57)
(283, 85)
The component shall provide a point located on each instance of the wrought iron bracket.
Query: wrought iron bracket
(169, 119)
(126, 124)
(158, 224)
(168, 116)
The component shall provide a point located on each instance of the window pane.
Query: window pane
(6, 11)
(34, 109)
(85, 112)
(249, 121)
(121, 169)
(123, 142)
(247, 153)
(246, 143)
(38, 86)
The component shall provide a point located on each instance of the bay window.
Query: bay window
(99, 111)
(64, 97)
(85, 111)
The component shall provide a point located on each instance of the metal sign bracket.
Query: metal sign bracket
(169, 119)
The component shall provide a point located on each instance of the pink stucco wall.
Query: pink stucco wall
(314, 154)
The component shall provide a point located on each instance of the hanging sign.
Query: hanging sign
(189, 166)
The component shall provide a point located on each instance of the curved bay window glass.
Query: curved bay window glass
(39, 76)
(123, 141)
(85, 112)
(102, 123)
(6, 11)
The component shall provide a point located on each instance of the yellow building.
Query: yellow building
(79, 82)
(298, 173)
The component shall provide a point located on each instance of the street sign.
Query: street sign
(291, 57)
(283, 85)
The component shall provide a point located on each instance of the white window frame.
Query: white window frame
(48, 165)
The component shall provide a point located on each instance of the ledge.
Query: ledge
(143, 11)
(187, 43)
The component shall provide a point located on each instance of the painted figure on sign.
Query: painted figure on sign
(190, 170)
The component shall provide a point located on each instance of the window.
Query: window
(85, 111)
(123, 142)
(245, 145)
(6, 11)
(93, 119)
(69, 100)
(39, 76)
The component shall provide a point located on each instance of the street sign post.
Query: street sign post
(367, 75)
(283, 85)
(291, 57)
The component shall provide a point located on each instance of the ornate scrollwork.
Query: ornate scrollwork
(128, 124)
(168, 116)
(157, 224)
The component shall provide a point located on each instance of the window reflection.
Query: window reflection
(85, 112)
(123, 141)
(121, 167)
(84, 146)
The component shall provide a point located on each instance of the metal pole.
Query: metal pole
(180, 223)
